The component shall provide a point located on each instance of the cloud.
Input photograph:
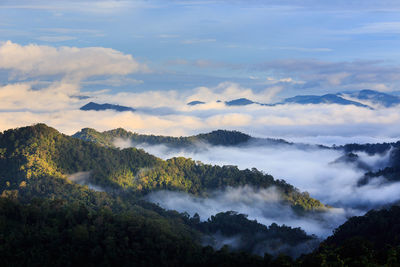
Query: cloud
(167, 112)
(102, 7)
(388, 27)
(264, 205)
(70, 62)
(304, 49)
(324, 75)
(46, 97)
(56, 38)
(199, 41)
(310, 169)
(228, 91)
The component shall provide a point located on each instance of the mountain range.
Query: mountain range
(49, 219)
(365, 98)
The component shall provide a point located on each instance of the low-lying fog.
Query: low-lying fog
(309, 168)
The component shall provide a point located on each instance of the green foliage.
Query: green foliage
(218, 137)
(40, 151)
(369, 240)
(54, 233)
(251, 235)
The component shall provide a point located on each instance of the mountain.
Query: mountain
(194, 103)
(106, 106)
(324, 99)
(217, 138)
(369, 240)
(42, 151)
(255, 237)
(375, 97)
(48, 219)
(357, 98)
(390, 171)
(240, 102)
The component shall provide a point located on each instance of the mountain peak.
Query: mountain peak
(106, 106)
(239, 102)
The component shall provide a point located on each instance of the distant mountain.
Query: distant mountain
(194, 103)
(324, 99)
(240, 102)
(357, 98)
(106, 106)
(375, 97)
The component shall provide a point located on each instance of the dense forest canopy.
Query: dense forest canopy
(47, 219)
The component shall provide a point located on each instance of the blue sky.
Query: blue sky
(158, 55)
(202, 43)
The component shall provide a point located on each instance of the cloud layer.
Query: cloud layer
(41, 89)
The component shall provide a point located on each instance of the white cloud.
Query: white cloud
(71, 62)
(56, 39)
(198, 41)
(387, 27)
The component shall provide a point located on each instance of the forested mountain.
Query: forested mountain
(217, 138)
(391, 171)
(369, 240)
(48, 220)
(39, 150)
(247, 235)
(41, 205)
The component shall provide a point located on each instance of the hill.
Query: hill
(218, 137)
(369, 240)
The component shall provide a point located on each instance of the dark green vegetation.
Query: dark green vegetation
(392, 169)
(219, 137)
(369, 240)
(30, 153)
(56, 233)
(252, 236)
(47, 220)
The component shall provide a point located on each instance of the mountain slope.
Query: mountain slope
(40, 151)
(45, 215)
(218, 137)
(324, 99)
(369, 240)
(375, 97)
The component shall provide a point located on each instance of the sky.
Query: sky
(158, 55)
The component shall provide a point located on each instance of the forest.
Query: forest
(48, 220)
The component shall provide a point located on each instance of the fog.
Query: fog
(82, 178)
(309, 168)
(264, 205)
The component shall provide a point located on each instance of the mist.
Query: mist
(263, 205)
(309, 168)
(322, 171)
(82, 178)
